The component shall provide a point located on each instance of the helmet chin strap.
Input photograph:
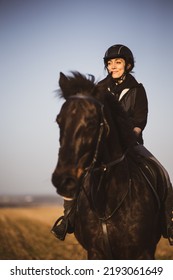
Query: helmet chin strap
(119, 80)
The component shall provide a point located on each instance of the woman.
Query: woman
(119, 62)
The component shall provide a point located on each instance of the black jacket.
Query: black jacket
(132, 97)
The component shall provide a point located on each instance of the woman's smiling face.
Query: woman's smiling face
(116, 67)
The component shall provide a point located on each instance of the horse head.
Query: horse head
(82, 123)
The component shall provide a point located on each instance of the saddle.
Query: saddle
(154, 175)
(159, 182)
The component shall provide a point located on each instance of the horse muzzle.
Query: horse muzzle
(66, 185)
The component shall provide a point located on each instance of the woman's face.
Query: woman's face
(116, 67)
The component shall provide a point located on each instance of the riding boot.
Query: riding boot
(65, 224)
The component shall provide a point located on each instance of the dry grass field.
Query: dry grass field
(25, 235)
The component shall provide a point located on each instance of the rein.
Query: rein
(110, 164)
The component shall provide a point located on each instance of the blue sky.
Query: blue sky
(38, 39)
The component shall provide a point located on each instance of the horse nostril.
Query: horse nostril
(68, 187)
(69, 182)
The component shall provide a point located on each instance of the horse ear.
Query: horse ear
(62, 80)
(63, 83)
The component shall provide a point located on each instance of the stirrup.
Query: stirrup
(55, 230)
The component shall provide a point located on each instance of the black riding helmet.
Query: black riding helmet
(120, 51)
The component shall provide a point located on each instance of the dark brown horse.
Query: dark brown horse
(117, 212)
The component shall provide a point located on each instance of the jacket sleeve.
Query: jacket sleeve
(140, 112)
